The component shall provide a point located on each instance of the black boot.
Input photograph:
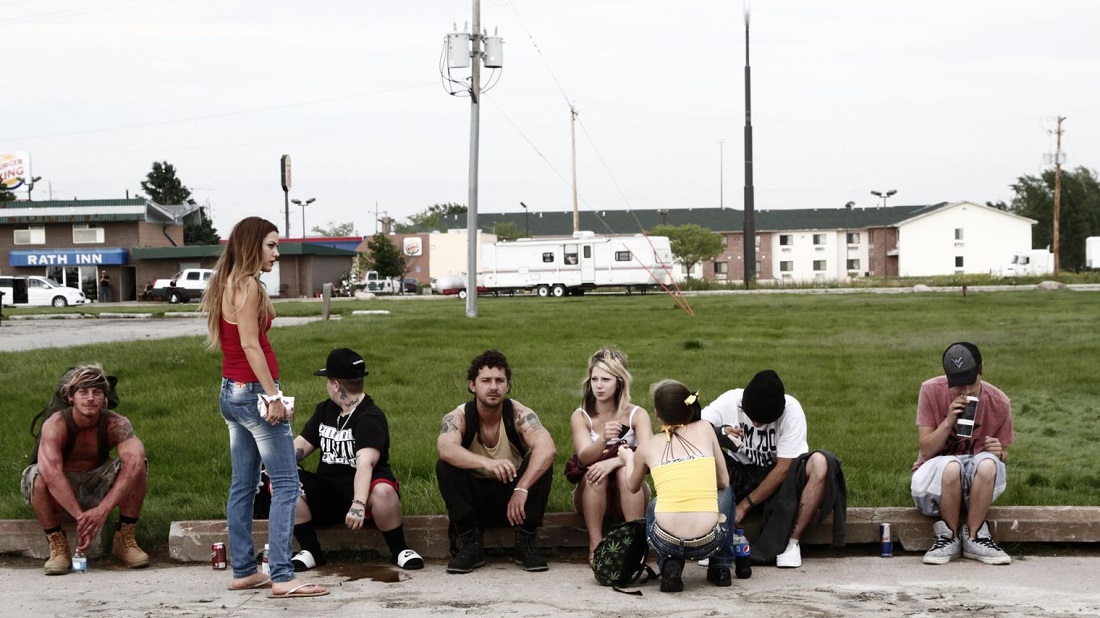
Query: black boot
(670, 575)
(525, 554)
(471, 555)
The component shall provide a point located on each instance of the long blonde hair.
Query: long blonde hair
(613, 361)
(242, 259)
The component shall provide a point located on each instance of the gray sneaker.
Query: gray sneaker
(946, 546)
(982, 548)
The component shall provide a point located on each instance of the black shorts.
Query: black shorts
(329, 497)
(745, 477)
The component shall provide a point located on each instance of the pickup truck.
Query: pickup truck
(186, 285)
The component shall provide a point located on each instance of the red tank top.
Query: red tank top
(234, 362)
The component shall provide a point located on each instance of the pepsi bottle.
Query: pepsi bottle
(742, 566)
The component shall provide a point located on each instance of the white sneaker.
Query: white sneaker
(705, 562)
(303, 561)
(409, 560)
(791, 558)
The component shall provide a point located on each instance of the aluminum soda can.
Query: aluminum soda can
(886, 546)
(217, 556)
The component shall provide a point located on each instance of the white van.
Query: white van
(44, 292)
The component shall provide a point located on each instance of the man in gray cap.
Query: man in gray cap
(763, 432)
(965, 427)
(353, 482)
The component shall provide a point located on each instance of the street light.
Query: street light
(884, 195)
(30, 184)
(526, 221)
(664, 213)
(303, 205)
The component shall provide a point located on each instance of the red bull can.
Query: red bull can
(886, 546)
(217, 556)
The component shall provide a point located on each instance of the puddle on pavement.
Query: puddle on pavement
(373, 572)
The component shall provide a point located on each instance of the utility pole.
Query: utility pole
(573, 139)
(1057, 190)
(460, 56)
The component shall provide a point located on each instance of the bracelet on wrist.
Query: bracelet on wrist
(360, 503)
(748, 498)
(520, 489)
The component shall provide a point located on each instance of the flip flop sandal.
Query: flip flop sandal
(297, 592)
(264, 584)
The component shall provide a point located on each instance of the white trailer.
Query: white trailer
(571, 265)
(1029, 262)
(1092, 252)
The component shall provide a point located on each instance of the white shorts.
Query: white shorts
(927, 483)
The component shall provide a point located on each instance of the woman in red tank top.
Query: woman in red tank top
(239, 314)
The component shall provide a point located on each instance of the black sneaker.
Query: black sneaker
(670, 575)
(525, 555)
(719, 576)
(471, 555)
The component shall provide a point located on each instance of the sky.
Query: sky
(938, 100)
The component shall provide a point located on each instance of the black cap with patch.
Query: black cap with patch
(343, 364)
(962, 363)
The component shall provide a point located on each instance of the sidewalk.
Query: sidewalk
(850, 583)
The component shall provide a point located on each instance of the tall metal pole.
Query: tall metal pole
(471, 213)
(573, 137)
(1057, 193)
(721, 175)
(750, 214)
(286, 212)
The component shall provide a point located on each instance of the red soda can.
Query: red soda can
(217, 556)
(886, 546)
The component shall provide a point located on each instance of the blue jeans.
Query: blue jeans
(252, 440)
(720, 551)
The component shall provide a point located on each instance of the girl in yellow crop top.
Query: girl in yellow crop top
(692, 514)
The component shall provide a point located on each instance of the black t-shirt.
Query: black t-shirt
(339, 439)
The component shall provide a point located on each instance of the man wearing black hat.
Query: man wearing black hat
(354, 481)
(960, 465)
(763, 432)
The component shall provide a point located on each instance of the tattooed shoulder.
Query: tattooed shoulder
(449, 424)
(529, 422)
(119, 429)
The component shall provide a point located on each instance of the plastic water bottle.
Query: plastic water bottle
(265, 568)
(742, 566)
(80, 562)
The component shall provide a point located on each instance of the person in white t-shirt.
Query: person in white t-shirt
(763, 433)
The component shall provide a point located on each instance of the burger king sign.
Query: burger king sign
(14, 167)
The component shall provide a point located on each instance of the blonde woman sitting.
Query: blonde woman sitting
(607, 419)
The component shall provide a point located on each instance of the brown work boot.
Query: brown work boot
(126, 549)
(59, 562)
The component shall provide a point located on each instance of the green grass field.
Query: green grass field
(855, 361)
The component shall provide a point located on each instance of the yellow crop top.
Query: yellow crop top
(687, 486)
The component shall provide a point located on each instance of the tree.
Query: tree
(5, 195)
(337, 230)
(162, 186)
(385, 257)
(691, 244)
(201, 233)
(1079, 212)
(507, 230)
(430, 220)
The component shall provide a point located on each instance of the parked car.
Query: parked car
(42, 292)
(409, 285)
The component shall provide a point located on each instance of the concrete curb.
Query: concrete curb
(190, 541)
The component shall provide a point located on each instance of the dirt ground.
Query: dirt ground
(850, 583)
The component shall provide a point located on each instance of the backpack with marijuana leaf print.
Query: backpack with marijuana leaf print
(620, 558)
